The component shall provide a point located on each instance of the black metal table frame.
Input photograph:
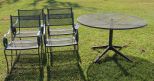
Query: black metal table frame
(110, 47)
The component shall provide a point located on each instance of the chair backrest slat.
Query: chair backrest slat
(32, 13)
(25, 21)
(58, 17)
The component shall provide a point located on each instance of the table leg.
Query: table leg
(119, 53)
(99, 57)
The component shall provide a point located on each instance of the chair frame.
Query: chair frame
(46, 29)
(5, 43)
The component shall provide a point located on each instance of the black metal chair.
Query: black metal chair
(60, 29)
(22, 42)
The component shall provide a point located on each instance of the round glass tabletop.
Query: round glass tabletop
(113, 21)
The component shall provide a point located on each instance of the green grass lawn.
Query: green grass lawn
(139, 42)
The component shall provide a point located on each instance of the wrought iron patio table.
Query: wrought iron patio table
(111, 21)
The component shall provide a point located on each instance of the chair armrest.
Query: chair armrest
(76, 32)
(5, 42)
(41, 33)
(39, 38)
(7, 38)
(13, 29)
(76, 26)
(42, 28)
(38, 33)
(76, 35)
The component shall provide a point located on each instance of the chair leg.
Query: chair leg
(46, 51)
(45, 56)
(48, 56)
(16, 53)
(6, 62)
(39, 56)
(76, 50)
(40, 63)
(42, 50)
(75, 47)
(51, 57)
(11, 58)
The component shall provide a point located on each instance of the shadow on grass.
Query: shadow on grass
(35, 2)
(55, 3)
(7, 1)
(1, 3)
(60, 4)
(65, 67)
(118, 69)
(11, 1)
(26, 68)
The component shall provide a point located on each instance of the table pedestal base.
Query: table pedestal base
(110, 47)
(113, 48)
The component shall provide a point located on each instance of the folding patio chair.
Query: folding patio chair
(21, 43)
(60, 29)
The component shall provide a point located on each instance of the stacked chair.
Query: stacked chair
(25, 34)
(60, 30)
(32, 27)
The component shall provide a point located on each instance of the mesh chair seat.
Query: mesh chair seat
(22, 45)
(56, 42)
(61, 31)
(27, 34)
